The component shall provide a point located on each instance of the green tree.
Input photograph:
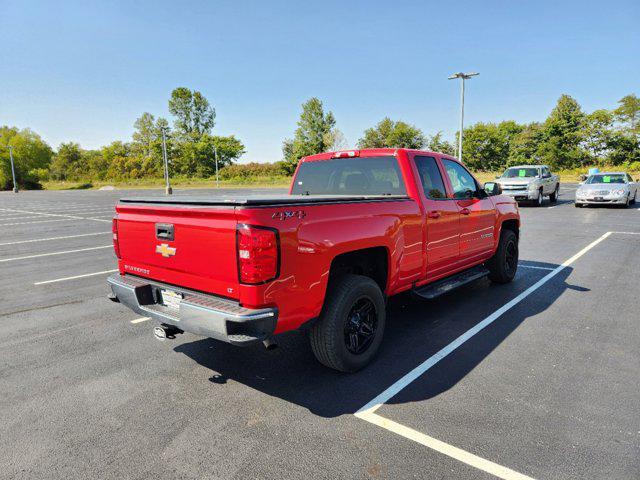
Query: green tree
(628, 113)
(390, 134)
(31, 157)
(147, 143)
(197, 158)
(194, 116)
(524, 146)
(67, 163)
(561, 138)
(436, 143)
(597, 135)
(486, 146)
(315, 134)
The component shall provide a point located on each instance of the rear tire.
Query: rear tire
(553, 198)
(633, 200)
(578, 205)
(348, 333)
(504, 263)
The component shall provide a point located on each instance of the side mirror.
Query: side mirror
(493, 188)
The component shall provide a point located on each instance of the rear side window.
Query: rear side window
(461, 180)
(430, 177)
(350, 176)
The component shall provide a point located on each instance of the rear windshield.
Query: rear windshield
(350, 176)
(520, 172)
(613, 178)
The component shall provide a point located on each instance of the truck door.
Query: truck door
(477, 214)
(442, 218)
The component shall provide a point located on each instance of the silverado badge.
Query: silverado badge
(165, 250)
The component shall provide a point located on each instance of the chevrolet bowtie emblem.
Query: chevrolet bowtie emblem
(165, 250)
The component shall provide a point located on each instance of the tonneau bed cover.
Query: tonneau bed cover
(257, 200)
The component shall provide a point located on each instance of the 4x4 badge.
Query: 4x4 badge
(283, 215)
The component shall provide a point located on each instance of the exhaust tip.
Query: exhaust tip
(270, 343)
(113, 298)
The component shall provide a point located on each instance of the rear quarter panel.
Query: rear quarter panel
(315, 235)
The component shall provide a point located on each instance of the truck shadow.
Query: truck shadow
(416, 329)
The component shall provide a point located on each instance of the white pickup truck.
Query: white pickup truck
(530, 183)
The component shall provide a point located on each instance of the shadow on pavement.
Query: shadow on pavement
(416, 329)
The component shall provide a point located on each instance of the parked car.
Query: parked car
(357, 227)
(607, 188)
(530, 183)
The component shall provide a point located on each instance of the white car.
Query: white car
(530, 183)
(607, 188)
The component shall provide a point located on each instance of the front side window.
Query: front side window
(350, 176)
(463, 184)
(430, 178)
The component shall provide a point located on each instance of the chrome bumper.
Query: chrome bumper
(605, 201)
(521, 194)
(198, 313)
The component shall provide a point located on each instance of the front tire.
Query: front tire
(538, 201)
(633, 200)
(348, 333)
(504, 263)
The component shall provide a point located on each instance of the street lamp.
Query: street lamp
(215, 153)
(13, 170)
(167, 186)
(463, 77)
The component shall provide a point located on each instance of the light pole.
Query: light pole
(13, 170)
(167, 186)
(215, 153)
(463, 77)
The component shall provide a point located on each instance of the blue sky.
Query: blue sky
(84, 71)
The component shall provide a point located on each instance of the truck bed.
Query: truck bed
(256, 200)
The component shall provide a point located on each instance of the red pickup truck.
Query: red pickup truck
(357, 227)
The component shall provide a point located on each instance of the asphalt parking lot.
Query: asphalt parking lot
(534, 379)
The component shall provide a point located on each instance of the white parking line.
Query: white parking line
(140, 320)
(367, 412)
(537, 268)
(77, 276)
(54, 238)
(40, 221)
(26, 257)
(444, 448)
(75, 217)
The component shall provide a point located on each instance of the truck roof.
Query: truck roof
(528, 166)
(367, 152)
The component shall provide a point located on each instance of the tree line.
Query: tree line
(189, 141)
(567, 138)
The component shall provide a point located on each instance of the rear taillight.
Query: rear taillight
(114, 230)
(258, 250)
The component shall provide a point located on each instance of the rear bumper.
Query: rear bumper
(198, 313)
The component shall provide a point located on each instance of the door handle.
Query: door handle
(465, 211)
(434, 214)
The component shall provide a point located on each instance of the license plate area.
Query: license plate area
(171, 299)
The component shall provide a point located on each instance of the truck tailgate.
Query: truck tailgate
(190, 247)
